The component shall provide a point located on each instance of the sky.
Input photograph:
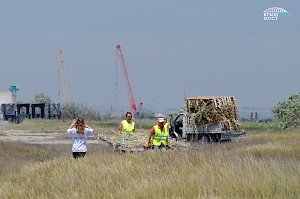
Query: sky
(172, 48)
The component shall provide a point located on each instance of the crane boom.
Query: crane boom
(134, 109)
(63, 78)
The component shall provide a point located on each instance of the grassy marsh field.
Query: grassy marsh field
(264, 165)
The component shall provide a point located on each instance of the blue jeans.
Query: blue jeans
(160, 148)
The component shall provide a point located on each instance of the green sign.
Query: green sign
(13, 88)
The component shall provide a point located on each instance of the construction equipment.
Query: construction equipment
(133, 107)
(63, 79)
(207, 119)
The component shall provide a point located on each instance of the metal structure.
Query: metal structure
(135, 110)
(18, 112)
(63, 79)
(9, 112)
(38, 113)
(54, 111)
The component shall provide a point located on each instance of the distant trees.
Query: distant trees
(69, 111)
(42, 98)
(72, 110)
(147, 115)
(287, 113)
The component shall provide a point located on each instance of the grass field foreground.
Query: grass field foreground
(264, 165)
(232, 170)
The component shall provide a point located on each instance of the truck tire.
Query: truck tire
(215, 137)
(189, 137)
(225, 141)
(192, 138)
(204, 139)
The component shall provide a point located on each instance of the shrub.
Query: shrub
(72, 110)
(287, 113)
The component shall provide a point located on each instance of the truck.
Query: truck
(207, 119)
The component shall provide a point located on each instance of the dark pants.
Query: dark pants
(77, 155)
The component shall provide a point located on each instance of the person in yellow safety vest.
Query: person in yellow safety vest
(158, 138)
(127, 125)
(167, 124)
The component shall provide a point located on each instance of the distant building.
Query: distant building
(5, 98)
(258, 114)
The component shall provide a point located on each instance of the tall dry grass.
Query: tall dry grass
(244, 169)
(264, 165)
(14, 155)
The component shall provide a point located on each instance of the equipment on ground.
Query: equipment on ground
(207, 119)
(133, 107)
(136, 142)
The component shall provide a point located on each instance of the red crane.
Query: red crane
(134, 109)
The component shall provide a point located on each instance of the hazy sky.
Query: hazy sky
(202, 47)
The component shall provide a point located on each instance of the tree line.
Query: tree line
(286, 113)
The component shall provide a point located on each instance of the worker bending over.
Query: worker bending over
(158, 138)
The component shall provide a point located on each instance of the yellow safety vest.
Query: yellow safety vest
(160, 136)
(167, 126)
(127, 127)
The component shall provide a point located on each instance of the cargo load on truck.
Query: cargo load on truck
(210, 111)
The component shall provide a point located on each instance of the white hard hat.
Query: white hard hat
(160, 119)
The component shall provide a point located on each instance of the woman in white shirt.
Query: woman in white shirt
(79, 132)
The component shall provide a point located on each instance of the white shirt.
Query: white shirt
(79, 140)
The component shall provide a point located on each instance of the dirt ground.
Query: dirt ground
(30, 137)
(23, 147)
